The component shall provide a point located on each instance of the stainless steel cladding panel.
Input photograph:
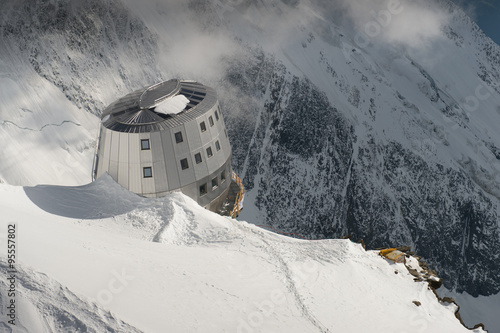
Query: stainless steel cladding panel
(200, 162)
(219, 155)
(212, 161)
(123, 161)
(146, 162)
(193, 135)
(172, 161)
(148, 184)
(106, 148)
(113, 160)
(146, 155)
(134, 172)
(186, 176)
(159, 170)
(205, 135)
(179, 140)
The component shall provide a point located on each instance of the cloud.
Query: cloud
(413, 24)
(201, 34)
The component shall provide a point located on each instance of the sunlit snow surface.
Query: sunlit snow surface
(168, 265)
(173, 105)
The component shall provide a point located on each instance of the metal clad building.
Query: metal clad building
(152, 153)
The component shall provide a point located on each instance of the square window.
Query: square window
(215, 183)
(216, 115)
(147, 172)
(178, 137)
(223, 176)
(197, 158)
(203, 189)
(145, 144)
(217, 145)
(184, 164)
(211, 121)
(203, 127)
(209, 152)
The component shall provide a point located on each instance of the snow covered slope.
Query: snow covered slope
(168, 265)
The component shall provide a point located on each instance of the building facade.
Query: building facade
(153, 153)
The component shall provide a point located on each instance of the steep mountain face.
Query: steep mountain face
(65, 41)
(329, 178)
(384, 127)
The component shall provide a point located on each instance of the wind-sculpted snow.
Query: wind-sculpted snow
(103, 198)
(47, 306)
(197, 272)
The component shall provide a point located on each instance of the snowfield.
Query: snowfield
(97, 258)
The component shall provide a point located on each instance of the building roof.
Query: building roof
(135, 112)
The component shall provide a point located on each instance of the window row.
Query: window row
(178, 135)
(214, 183)
(147, 172)
(178, 139)
(203, 126)
(197, 157)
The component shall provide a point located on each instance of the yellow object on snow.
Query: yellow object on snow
(393, 254)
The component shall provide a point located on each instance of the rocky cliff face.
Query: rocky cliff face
(391, 138)
(85, 48)
(311, 174)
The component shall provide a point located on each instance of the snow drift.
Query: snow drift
(169, 265)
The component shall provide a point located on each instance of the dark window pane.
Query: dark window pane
(203, 189)
(196, 98)
(185, 91)
(211, 121)
(145, 144)
(216, 115)
(203, 127)
(214, 183)
(178, 137)
(184, 164)
(147, 172)
(223, 176)
(217, 145)
(197, 158)
(209, 152)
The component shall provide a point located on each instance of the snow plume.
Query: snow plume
(414, 24)
(195, 45)
(469, 7)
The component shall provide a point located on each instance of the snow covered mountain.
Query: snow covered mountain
(168, 265)
(370, 118)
